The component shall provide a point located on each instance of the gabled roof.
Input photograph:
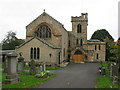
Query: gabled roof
(41, 40)
(44, 14)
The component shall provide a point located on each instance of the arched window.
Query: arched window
(64, 52)
(43, 32)
(78, 52)
(95, 47)
(97, 57)
(38, 53)
(79, 28)
(31, 53)
(99, 47)
(34, 53)
(69, 43)
(81, 42)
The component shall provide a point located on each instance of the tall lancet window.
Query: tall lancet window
(79, 28)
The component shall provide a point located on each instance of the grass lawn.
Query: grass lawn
(50, 68)
(47, 68)
(104, 81)
(26, 81)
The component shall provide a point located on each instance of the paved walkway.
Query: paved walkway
(74, 76)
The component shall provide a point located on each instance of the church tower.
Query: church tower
(79, 28)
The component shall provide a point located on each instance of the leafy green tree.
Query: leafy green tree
(11, 41)
(101, 35)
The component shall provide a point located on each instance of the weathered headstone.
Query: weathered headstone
(20, 67)
(41, 68)
(12, 76)
(20, 64)
(5, 64)
(44, 67)
(32, 68)
(114, 70)
(26, 64)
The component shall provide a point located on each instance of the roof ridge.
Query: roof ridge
(45, 42)
(48, 43)
(43, 15)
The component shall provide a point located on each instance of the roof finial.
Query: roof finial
(44, 10)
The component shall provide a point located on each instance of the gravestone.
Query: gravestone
(26, 64)
(20, 67)
(44, 67)
(20, 64)
(5, 64)
(12, 76)
(32, 68)
(41, 68)
(114, 71)
(37, 69)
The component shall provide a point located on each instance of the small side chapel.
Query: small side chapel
(48, 41)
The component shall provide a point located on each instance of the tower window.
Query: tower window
(97, 57)
(79, 28)
(69, 43)
(64, 52)
(81, 42)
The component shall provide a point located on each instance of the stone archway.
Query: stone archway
(78, 55)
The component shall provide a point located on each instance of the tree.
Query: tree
(11, 41)
(101, 35)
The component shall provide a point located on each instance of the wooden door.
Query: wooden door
(78, 58)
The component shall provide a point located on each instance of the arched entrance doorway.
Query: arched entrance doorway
(78, 56)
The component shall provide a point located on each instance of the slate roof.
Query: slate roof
(41, 40)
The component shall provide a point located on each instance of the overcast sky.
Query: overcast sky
(15, 15)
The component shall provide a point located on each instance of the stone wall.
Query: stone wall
(101, 53)
(45, 52)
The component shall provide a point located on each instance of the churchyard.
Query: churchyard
(20, 74)
(110, 78)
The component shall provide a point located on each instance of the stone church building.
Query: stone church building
(48, 41)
